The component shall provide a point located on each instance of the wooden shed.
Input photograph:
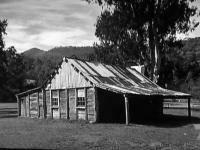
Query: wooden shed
(95, 92)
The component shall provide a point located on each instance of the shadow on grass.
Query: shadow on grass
(165, 121)
(168, 121)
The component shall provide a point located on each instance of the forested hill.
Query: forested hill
(191, 47)
(33, 53)
(58, 52)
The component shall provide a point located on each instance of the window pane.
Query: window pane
(80, 101)
(80, 97)
(55, 101)
(54, 93)
(81, 92)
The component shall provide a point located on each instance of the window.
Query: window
(80, 101)
(81, 97)
(54, 101)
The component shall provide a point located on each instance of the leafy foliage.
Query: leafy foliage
(3, 25)
(14, 73)
(11, 68)
(141, 31)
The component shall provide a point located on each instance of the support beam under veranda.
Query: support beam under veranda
(127, 109)
(189, 108)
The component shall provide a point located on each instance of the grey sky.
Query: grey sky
(48, 23)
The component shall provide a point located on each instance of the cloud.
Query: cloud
(48, 23)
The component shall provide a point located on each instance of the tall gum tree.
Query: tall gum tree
(3, 24)
(150, 25)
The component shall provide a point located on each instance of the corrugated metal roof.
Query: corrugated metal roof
(126, 80)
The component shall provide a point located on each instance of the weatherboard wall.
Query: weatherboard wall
(34, 106)
(67, 77)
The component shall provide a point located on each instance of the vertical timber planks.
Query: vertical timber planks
(38, 105)
(86, 114)
(72, 104)
(76, 111)
(59, 106)
(91, 104)
(44, 103)
(67, 110)
(51, 112)
(29, 105)
(96, 105)
(19, 105)
(189, 108)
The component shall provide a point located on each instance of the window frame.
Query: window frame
(80, 98)
(55, 98)
(53, 101)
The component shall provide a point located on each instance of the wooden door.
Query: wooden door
(81, 114)
(56, 114)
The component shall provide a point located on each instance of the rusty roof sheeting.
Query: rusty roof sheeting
(126, 80)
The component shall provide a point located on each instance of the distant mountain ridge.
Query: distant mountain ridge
(58, 52)
(33, 52)
(191, 47)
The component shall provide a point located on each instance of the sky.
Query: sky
(46, 24)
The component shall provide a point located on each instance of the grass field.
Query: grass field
(173, 132)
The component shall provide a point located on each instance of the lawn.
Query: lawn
(173, 132)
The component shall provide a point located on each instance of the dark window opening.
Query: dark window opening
(80, 101)
(80, 98)
(54, 101)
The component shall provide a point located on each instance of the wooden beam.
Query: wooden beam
(51, 112)
(76, 103)
(25, 106)
(59, 103)
(44, 103)
(86, 112)
(127, 109)
(189, 109)
(29, 114)
(38, 105)
(19, 105)
(96, 100)
(67, 96)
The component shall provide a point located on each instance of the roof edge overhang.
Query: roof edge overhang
(31, 91)
(139, 94)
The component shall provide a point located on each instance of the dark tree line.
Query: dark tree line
(11, 68)
(39, 69)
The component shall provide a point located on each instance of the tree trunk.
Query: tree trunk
(152, 50)
(154, 53)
